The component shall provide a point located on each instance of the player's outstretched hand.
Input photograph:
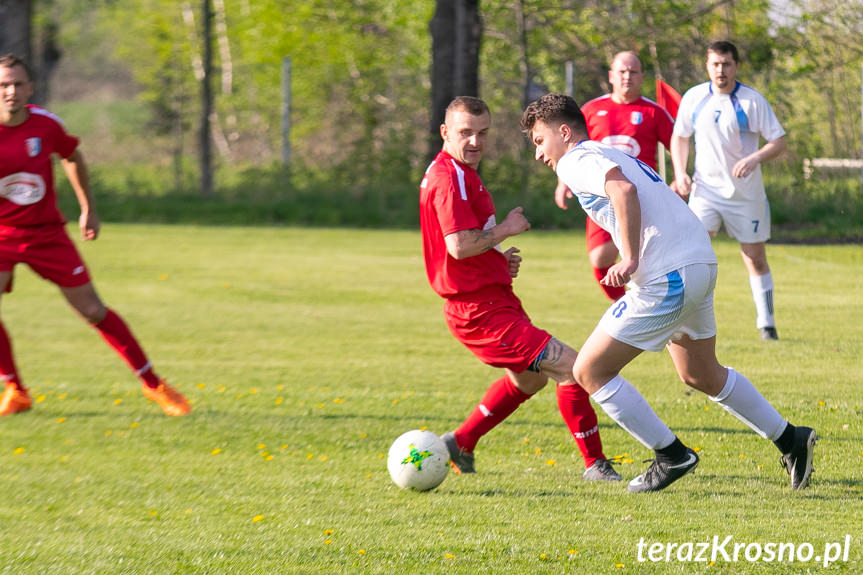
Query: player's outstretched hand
(89, 224)
(561, 194)
(515, 222)
(514, 261)
(681, 186)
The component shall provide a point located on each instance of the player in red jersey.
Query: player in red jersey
(32, 232)
(466, 267)
(626, 120)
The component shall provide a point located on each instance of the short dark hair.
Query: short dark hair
(553, 109)
(724, 47)
(469, 104)
(10, 60)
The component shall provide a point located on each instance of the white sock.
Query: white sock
(762, 295)
(740, 398)
(622, 402)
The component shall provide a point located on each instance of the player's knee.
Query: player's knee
(93, 312)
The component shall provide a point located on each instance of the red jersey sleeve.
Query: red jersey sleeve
(451, 204)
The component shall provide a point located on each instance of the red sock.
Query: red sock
(8, 371)
(115, 331)
(613, 293)
(500, 400)
(580, 418)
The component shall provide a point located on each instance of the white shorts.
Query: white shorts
(747, 221)
(648, 317)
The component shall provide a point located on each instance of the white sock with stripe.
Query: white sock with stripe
(762, 295)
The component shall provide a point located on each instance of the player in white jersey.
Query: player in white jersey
(728, 119)
(667, 260)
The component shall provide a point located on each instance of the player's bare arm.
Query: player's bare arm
(624, 199)
(767, 152)
(679, 158)
(468, 243)
(562, 193)
(76, 170)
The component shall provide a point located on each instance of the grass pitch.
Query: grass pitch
(306, 352)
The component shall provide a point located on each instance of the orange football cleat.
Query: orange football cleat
(14, 400)
(168, 398)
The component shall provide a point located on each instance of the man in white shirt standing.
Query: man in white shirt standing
(728, 119)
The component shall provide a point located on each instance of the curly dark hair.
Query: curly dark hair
(552, 110)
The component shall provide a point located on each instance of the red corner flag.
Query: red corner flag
(667, 97)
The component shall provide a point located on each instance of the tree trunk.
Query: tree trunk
(206, 101)
(15, 28)
(456, 30)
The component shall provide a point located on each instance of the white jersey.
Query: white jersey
(727, 129)
(671, 236)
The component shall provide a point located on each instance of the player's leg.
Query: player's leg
(602, 254)
(500, 400)
(573, 402)
(761, 283)
(117, 334)
(749, 223)
(15, 397)
(698, 367)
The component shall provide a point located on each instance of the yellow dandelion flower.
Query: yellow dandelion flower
(202, 385)
(618, 565)
(820, 404)
(323, 457)
(362, 551)
(380, 455)
(153, 512)
(257, 518)
(64, 459)
(63, 396)
(364, 435)
(395, 401)
(108, 433)
(280, 400)
(41, 398)
(543, 556)
(328, 531)
(551, 462)
(262, 445)
(696, 449)
(18, 451)
(253, 390)
(280, 387)
(368, 475)
(216, 451)
(187, 511)
(310, 455)
(423, 428)
(572, 551)
(338, 400)
(538, 451)
(320, 405)
(268, 458)
(284, 446)
(742, 456)
(328, 541)
(61, 420)
(706, 408)
(449, 556)
(163, 277)
(118, 401)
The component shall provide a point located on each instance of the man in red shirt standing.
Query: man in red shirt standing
(466, 266)
(32, 232)
(633, 124)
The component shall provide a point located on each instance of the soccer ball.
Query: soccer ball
(418, 460)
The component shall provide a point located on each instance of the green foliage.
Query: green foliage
(280, 468)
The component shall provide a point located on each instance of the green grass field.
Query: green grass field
(306, 352)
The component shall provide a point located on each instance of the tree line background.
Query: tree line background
(370, 77)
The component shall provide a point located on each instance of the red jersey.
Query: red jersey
(633, 128)
(27, 195)
(452, 199)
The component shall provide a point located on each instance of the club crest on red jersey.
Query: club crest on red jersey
(636, 118)
(34, 146)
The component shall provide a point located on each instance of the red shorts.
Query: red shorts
(494, 326)
(596, 236)
(47, 250)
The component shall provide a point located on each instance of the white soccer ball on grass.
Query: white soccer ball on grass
(418, 460)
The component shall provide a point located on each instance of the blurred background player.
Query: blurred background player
(626, 120)
(465, 266)
(667, 258)
(727, 118)
(32, 232)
